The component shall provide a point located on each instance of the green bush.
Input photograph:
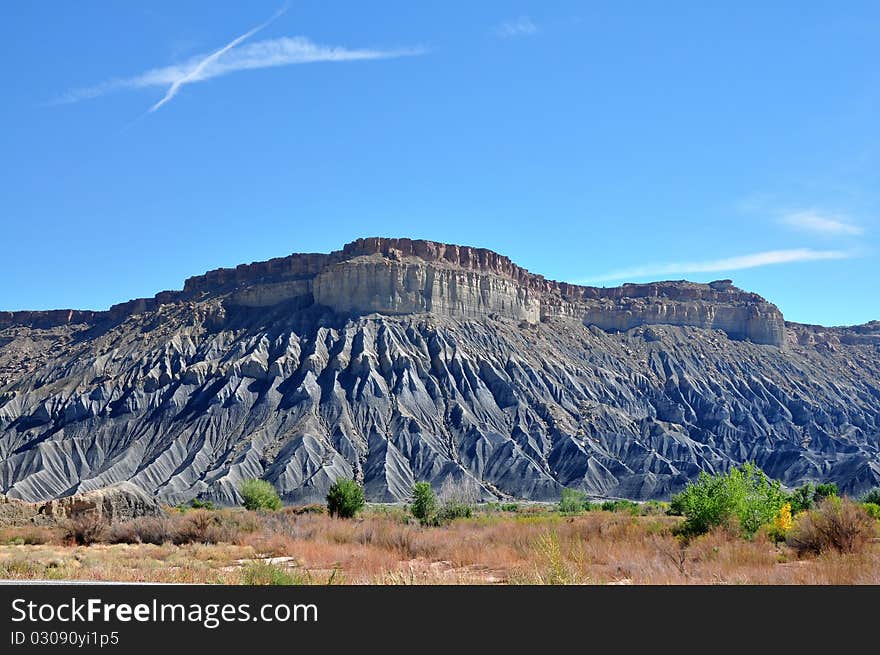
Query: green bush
(451, 510)
(259, 494)
(803, 498)
(826, 490)
(621, 506)
(744, 499)
(345, 498)
(195, 503)
(872, 496)
(424, 503)
(509, 507)
(572, 501)
(873, 510)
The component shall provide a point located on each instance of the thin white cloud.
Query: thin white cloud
(810, 220)
(232, 57)
(522, 26)
(193, 74)
(753, 260)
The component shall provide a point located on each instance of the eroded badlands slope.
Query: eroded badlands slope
(397, 360)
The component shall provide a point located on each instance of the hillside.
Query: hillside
(395, 360)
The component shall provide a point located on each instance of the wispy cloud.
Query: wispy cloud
(753, 260)
(232, 57)
(522, 26)
(810, 220)
(193, 74)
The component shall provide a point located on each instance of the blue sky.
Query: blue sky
(590, 142)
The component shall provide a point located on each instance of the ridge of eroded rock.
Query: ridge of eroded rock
(402, 276)
(396, 360)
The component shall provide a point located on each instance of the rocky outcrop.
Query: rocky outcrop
(757, 322)
(365, 285)
(394, 360)
(403, 276)
(48, 319)
(118, 502)
(831, 337)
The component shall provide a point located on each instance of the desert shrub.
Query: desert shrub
(237, 521)
(809, 495)
(803, 498)
(424, 502)
(196, 526)
(873, 510)
(202, 527)
(259, 494)
(777, 531)
(202, 504)
(451, 510)
(31, 535)
(742, 500)
(313, 508)
(533, 510)
(22, 568)
(345, 498)
(394, 513)
(84, 529)
(872, 496)
(553, 566)
(265, 573)
(573, 501)
(509, 507)
(825, 490)
(837, 524)
(457, 500)
(142, 530)
(654, 508)
(621, 506)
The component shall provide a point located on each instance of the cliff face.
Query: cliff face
(395, 360)
(404, 276)
(374, 284)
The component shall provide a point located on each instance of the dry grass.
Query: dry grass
(31, 535)
(836, 524)
(387, 547)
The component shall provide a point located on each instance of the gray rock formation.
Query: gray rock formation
(395, 360)
(117, 502)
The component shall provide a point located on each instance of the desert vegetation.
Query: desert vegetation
(345, 498)
(258, 494)
(734, 528)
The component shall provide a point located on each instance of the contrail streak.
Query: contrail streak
(207, 61)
